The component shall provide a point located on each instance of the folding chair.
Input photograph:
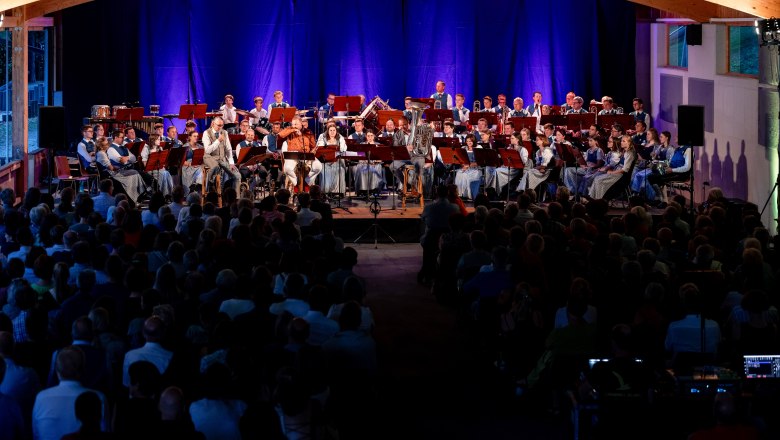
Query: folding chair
(65, 172)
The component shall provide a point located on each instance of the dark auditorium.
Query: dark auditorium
(340, 220)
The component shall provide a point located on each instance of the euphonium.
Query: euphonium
(476, 106)
(421, 134)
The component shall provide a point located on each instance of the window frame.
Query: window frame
(728, 70)
(669, 48)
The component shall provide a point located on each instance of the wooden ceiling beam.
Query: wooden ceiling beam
(758, 8)
(697, 10)
(43, 7)
(38, 22)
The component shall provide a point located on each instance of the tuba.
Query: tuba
(421, 134)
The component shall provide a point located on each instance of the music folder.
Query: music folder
(327, 154)
(135, 147)
(443, 142)
(580, 121)
(567, 154)
(197, 157)
(556, 120)
(192, 111)
(130, 114)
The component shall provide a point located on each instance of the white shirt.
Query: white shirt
(463, 115)
(114, 155)
(82, 150)
(257, 115)
(320, 328)
(306, 216)
(235, 307)
(228, 114)
(211, 147)
(449, 99)
(150, 352)
(217, 419)
(54, 412)
(685, 335)
(297, 307)
(321, 142)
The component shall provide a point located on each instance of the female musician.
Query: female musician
(543, 162)
(191, 175)
(678, 167)
(129, 179)
(603, 182)
(99, 131)
(332, 180)
(611, 160)
(658, 154)
(369, 176)
(560, 139)
(467, 178)
(594, 159)
(163, 176)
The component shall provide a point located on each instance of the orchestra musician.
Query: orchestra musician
(677, 170)
(163, 176)
(296, 140)
(518, 111)
(401, 135)
(639, 113)
(246, 171)
(469, 176)
(576, 106)
(191, 175)
(326, 111)
(611, 160)
(407, 103)
(87, 149)
(333, 179)
(569, 104)
(487, 104)
(543, 163)
(480, 128)
(190, 126)
(609, 106)
(229, 115)
(603, 182)
(258, 113)
(111, 159)
(594, 159)
(130, 137)
(502, 176)
(369, 174)
(640, 134)
(501, 107)
(270, 141)
(218, 155)
(172, 137)
(389, 130)
(444, 98)
(535, 109)
(660, 154)
(278, 101)
(460, 114)
(358, 134)
(243, 127)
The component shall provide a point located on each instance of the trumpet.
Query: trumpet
(476, 106)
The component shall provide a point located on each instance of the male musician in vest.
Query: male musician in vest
(359, 135)
(576, 106)
(278, 101)
(444, 98)
(243, 127)
(326, 111)
(407, 112)
(640, 134)
(270, 142)
(569, 103)
(249, 142)
(518, 111)
(460, 114)
(130, 136)
(535, 109)
(639, 113)
(189, 127)
(679, 169)
(172, 137)
(501, 107)
(609, 106)
(119, 155)
(389, 130)
(229, 115)
(258, 113)
(87, 150)
(295, 140)
(218, 154)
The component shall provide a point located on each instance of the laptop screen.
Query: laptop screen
(592, 361)
(762, 366)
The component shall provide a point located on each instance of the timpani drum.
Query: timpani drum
(100, 112)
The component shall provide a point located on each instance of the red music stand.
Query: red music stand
(248, 153)
(384, 115)
(486, 157)
(427, 101)
(510, 158)
(437, 115)
(130, 114)
(492, 118)
(529, 146)
(556, 120)
(501, 141)
(566, 154)
(197, 157)
(607, 121)
(183, 137)
(192, 111)
(136, 148)
(529, 122)
(580, 121)
(156, 161)
(454, 156)
(165, 145)
(282, 115)
(349, 104)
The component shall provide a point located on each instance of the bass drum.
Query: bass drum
(263, 123)
(370, 114)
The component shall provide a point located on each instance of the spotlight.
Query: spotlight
(2, 18)
(769, 31)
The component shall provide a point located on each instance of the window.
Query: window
(678, 50)
(6, 50)
(743, 50)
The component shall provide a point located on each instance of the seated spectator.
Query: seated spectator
(294, 294)
(217, 414)
(351, 351)
(354, 290)
(685, 335)
(105, 199)
(175, 421)
(20, 382)
(96, 374)
(145, 387)
(320, 328)
(89, 412)
(12, 424)
(728, 422)
(152, 351)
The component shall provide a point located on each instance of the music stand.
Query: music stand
(501, 141)
(130, 114)
(566, 154)
(529, 122)
(192, 111)
(385, 154)
(492, 118)
(580, 121)
(136, 148)
(176, 157)
(437, 115)
(510, 159)
(282, 114)
(486, 157)
(346, 104)
(556, 120)
(391, 154)
(607, 121)
(156, 161)
(300, 156)
(454, 156)
(330, 154)
(384, 115)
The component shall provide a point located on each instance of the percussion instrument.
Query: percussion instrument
(370, 114)
(115, 108)
(154, 109)
(100, 112)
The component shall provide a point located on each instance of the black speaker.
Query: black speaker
(51, 128)
(693, 35)
(690, 125)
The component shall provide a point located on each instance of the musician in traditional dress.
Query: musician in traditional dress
(535, 109)
(333, 179)
(130, 136)
(640, 134)
(229, 115)
(389, 130)
(576, 106)
(444, 98)
(648, 154)
(369, 176)
(569, 104)
(407, 103)
(611, 160)
(594, 159)
(247, 171)
(460, 113)
(87, 149)
(191, 175)
(258, 113)
(326, 111)
(543, 163)
(639, 113)
(218, 156)
(114, 160)
(609, 106)
(358, 135)
(162, 175)
(295, 140)
(487, 104)
(502, 176)
(172, 137)
(469, 176)
(190, 126)
(603, 182)
(678, 169)
(518, 111)
(501, 107)
(278, 101)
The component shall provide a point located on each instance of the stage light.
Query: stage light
(769, 31)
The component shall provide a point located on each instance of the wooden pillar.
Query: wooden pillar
(19, 106)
